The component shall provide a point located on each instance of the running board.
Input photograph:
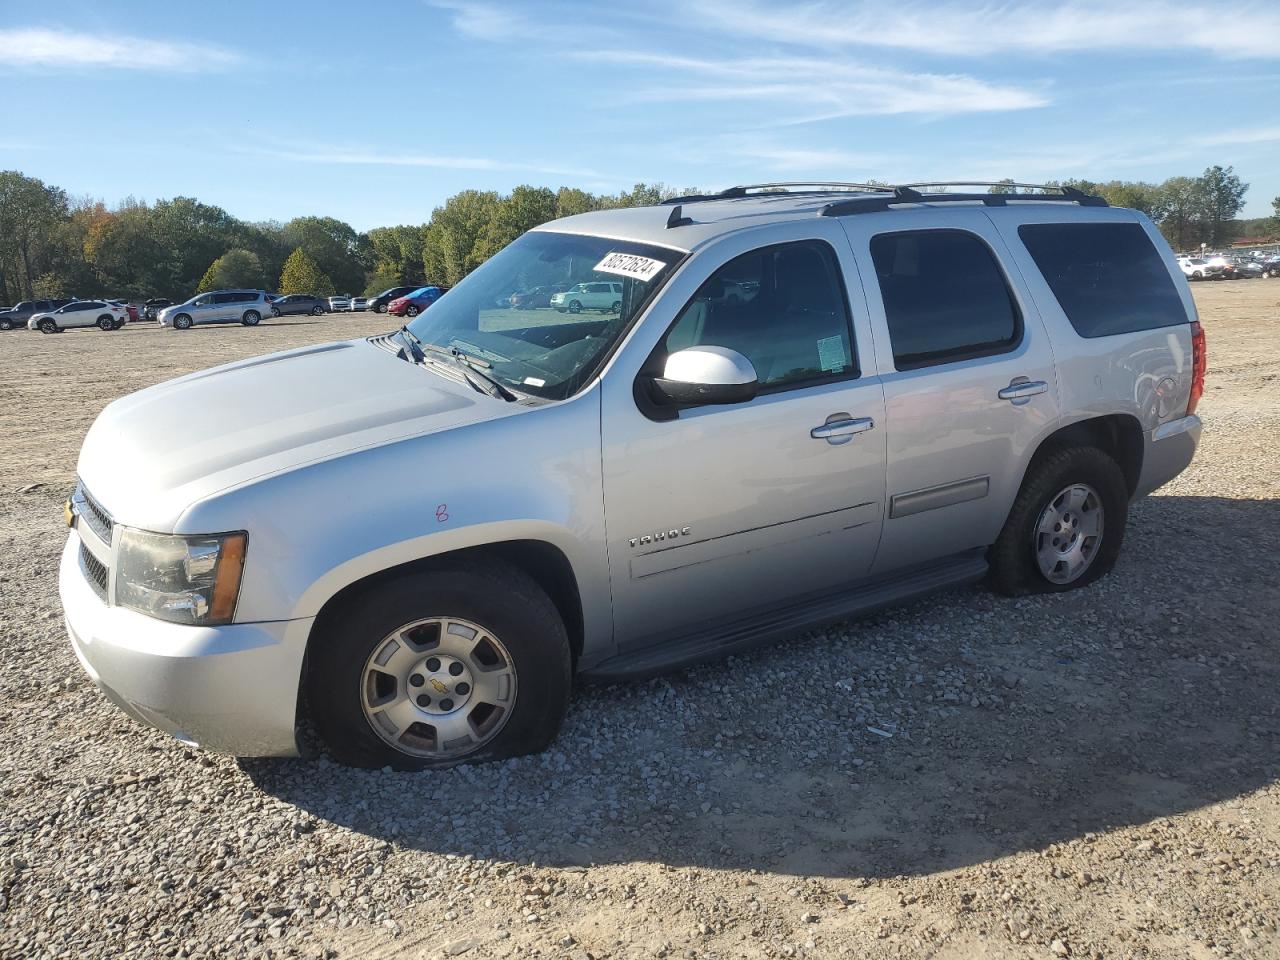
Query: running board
(755, 627)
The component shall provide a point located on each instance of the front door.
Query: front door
(968, 377)
(718, 511)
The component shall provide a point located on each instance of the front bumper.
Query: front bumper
(232, 689)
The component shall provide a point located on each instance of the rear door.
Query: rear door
(968, 373)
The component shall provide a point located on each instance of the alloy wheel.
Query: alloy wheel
(1068, 533)
(439, 688)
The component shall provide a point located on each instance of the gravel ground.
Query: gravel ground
(1085, 775)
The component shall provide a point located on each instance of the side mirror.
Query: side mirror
(699, 375)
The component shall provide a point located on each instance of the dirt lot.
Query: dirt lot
(1089, 775)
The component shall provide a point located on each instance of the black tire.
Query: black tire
(382, 308)
(182, 322)
(6, 324)
(106, 323)
(47, 326)
(616, 307)
(317, 311)
(575, 306)
(495, 596)
(251, 318)
(1012, 558)
(411, 311)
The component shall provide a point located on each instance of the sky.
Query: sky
(375, 112)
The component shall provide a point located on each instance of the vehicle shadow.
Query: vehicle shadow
(1004, 725)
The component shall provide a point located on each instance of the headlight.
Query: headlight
(193, 580)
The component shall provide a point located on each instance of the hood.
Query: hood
(152, 454)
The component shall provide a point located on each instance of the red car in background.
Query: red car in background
(414, 303)
(130, 308)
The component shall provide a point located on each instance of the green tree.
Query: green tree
(235, 268)
(301, 274)
(1222, 196)
(453, 242)
(397, 253)
(30, 211)
(571, 201)
(1181, 208)
(333, 245)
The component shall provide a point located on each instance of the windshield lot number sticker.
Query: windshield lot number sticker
(643, 269)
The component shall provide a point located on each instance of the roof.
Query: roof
(686, 223)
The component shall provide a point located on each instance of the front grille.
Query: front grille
(98, 519)
(95, 571)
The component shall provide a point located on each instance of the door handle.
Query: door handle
(1021, 390)
(840, 428)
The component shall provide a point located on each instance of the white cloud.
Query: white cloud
(376, 158)
(1251, 135)
(987, 29)
(823, 87)
(487, 21)
(48, 48)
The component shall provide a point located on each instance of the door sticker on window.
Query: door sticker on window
(639, 268)
(831, 354)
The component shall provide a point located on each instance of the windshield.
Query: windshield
(546, 310)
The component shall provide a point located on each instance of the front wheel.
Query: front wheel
(47, 326)
(1066, 526)
(382, 308)
(6, 324)
(441, 668)
(411, 311)
(575, 306)
(182, 322)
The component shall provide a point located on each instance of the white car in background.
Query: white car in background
(102, 314)
(360, 303)
(1198, 268)
(605, 297)
(339, 304)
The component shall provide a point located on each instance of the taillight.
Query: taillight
(1199, 361)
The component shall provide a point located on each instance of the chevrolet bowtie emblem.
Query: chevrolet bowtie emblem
(439, 687)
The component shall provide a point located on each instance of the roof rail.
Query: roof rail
(907, 194)
(823, 186)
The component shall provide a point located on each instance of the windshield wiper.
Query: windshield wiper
(477, 378)
(414, 344)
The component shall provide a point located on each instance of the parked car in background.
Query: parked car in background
(1271, 267)
(605, 297)
(414, 303)
(129, 308)
(1247, 268)
(217, 306)
(153, 306)
(382, 301)
(18, 315)
(296, 304)
(103, 314)
(536, 297)
(359, 303)
(1197, 268)
(339, 304)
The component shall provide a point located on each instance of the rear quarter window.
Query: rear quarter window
(1107, 277)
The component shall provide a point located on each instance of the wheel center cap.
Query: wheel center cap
(440, 684)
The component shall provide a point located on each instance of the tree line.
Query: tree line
(55, 245)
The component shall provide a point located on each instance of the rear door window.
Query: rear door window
(945, 297)
(1107, 277)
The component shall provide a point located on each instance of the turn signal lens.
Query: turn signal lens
(1199, 363)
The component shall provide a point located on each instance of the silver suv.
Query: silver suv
(808, 404)
(217, 306)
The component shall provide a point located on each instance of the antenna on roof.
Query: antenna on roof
(677, 219)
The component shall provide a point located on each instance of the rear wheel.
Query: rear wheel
(47, 326)
(441, 668)
(182, 322)
(616, 307)
(251, 318)
(106, 323)
(317, 311)
(1066, 526)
